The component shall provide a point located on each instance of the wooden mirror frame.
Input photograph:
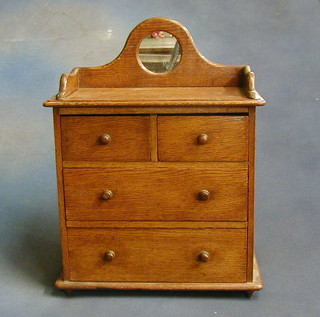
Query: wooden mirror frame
(194, 70)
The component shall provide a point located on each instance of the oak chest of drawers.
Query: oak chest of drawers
(156, 168)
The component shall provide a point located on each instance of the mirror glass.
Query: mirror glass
(160, 52)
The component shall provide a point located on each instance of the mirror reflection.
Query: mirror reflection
(160, 52)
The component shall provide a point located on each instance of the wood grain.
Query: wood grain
(153, 138)
(81, 138)
(69, 83)
(255, 285)
(60, 187)
(167, 194)
(175, 109)
(127, 70)
(249, 83)
(157, 96)
(228, 138)
(157, 255)
(168, 138)
(158, 164)
(157, 224)
(251, 191)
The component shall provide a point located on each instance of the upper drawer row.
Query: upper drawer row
(178, 138)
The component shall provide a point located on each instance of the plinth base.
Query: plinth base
(248, 287)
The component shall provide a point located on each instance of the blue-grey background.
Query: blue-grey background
(280, 39)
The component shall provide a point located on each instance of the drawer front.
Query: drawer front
(203, 138)
(168, 194)
(105, 138)
(157, 255)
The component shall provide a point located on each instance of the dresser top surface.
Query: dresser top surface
(157, 96)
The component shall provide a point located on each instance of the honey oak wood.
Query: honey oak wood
(157, 255)
(175, 109)
(156, 172)
(168, 194)
(153, 138)
(256, 285)
(204, 72)
(129, 138)
(60, 187)
(156, 224)
(250, 84)
(128, 71)
(143, 106)
(69, 83)
(251, 190)
(179, 138)
(163, 96)
(143, 165)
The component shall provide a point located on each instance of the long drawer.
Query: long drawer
(162, 194)
(157, 255)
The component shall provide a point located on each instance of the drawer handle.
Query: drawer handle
(203, 139)
(204, 256)
(105, 139)
(109, 255)
(204, 195)
(107, 194)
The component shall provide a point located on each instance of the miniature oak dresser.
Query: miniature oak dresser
(155, 160)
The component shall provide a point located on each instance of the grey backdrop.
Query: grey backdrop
(280, 39)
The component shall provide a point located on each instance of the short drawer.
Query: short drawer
(157, 255)
(168, 194)
(105, 138)
(203, 138)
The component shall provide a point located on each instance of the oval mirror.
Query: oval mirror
(160, 52)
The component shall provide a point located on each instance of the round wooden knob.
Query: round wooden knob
(107, 194)
(202, 139)
(204, 256)
(203, 195)
(109, 255)
(105, 139)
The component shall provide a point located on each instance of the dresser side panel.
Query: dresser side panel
(251, 191)
(60, 185)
